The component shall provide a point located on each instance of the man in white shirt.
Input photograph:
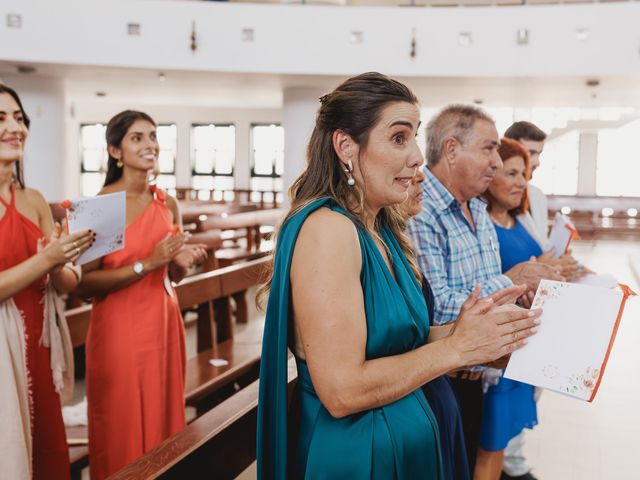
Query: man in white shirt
(532, 138)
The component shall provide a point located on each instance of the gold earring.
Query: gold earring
(120, 164)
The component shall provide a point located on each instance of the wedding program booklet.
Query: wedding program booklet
(105, 215)
(577, 329)
(562, 232)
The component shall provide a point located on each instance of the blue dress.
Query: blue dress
(444, 403)
(399, 440)
(509, 406)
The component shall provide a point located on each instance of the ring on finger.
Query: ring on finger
(75, 245)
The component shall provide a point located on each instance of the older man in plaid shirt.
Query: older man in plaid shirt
(456, 243)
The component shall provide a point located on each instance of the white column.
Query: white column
(300, 105)
(587, 163)
(46, 163)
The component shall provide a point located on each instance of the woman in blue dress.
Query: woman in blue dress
(509, 406)
(345, 297)
(439, 391)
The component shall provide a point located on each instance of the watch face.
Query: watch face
(138, 268)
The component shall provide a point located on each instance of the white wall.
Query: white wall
(303, 39)
(45, 151)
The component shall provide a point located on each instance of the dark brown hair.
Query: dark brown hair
(18, 174)
(525, 131)
(355, 108)
(510, 148)
(117, 128)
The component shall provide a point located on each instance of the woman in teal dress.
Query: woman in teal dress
(345, 297)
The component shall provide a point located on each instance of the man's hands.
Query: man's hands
(529, 274)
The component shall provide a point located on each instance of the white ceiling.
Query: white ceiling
(124, 85)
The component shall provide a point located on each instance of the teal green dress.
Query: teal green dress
(398, 440)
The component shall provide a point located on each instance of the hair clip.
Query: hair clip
(324, 98)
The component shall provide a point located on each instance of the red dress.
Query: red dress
(135, 355)
(19, 237)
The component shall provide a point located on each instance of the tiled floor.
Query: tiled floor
(598, 441)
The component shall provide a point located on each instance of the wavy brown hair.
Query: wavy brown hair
(355, 108)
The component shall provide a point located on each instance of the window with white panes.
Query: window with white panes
(558, 170)
(213, 160)
(267, 165)
(166, 168)
(93, 158)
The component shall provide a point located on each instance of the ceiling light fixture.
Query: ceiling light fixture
(465, 39)
(162, 76)
(133, 29)
(582, 34)
(14, 20)
(247, 35)
(356, 36)
(522, 36)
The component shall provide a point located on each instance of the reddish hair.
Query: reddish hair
(508, 149)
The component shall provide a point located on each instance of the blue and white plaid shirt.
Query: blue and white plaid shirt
(450, 253)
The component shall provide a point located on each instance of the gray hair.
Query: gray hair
(455, 121)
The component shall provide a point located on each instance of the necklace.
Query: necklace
(507, 225)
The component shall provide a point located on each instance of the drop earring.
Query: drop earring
(350, 180)
(119, 164)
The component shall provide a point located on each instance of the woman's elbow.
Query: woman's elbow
(339, 401)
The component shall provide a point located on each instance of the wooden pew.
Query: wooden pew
(210, 291)
(221, 444)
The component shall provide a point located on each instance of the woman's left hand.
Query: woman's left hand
(190, 255)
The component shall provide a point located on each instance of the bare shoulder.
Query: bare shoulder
(328, 236)
(172, 203)
(34, 198)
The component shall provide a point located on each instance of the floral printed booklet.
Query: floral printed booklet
(105, 215)
(577, 329)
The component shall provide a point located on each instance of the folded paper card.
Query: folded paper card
(562, 232)
(105, 215)
(577, 330)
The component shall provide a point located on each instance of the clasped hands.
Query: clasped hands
(488, 329)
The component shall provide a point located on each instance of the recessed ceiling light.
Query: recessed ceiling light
(101, 94)
(247, 34)
(522, 36)
(161, 76)
(133, 29)
(582, 34)
(14, 20)
(478, 101)
(465, 39)
(356, 36)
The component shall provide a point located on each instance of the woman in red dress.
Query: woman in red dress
(135, 345)
(33, 254)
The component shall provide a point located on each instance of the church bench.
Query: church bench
(221, 444)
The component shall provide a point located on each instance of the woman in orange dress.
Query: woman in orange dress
(32, 439)
(135, 344)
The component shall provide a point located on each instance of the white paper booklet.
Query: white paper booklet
(577, 330)
(105, 215)
(562, 232)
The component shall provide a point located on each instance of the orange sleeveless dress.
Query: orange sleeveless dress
(19, 237)
(135, 355)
